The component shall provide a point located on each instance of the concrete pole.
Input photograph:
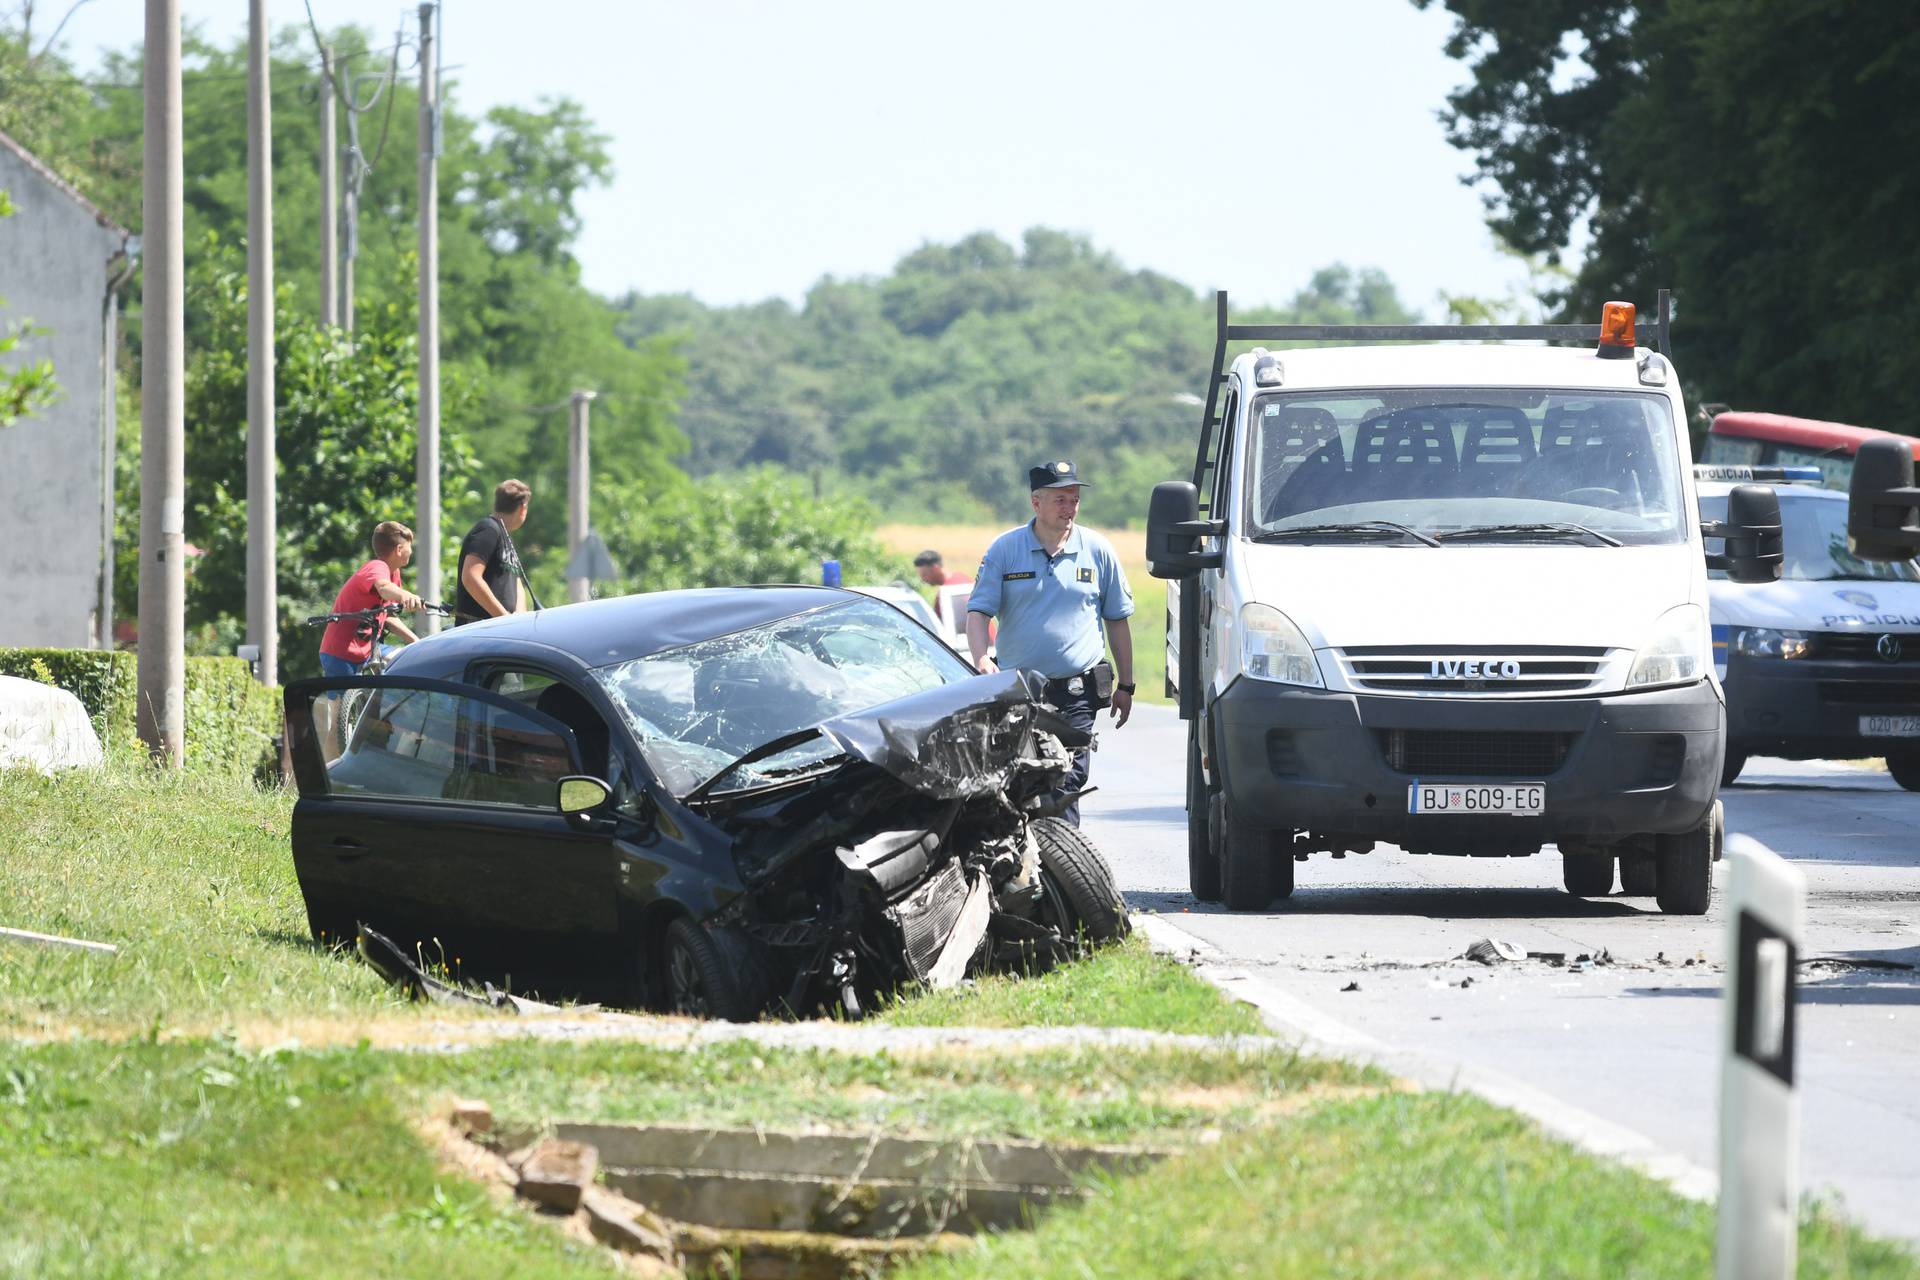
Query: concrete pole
(329, 197)
(162, 672)
(427, 463)
(579, 473)
(263, 586)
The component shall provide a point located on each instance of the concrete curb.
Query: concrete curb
(1326, 1036)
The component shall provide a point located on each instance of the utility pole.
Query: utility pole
(578, 483)
(263, 587)
(162, 672)
(329, 198)
(427, 464)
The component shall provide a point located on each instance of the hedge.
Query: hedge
(231, 718)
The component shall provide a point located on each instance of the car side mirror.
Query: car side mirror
(1174, 529)
(1752, 533)
(583, 800)
(1882, 503)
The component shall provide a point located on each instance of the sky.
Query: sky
(760, 146)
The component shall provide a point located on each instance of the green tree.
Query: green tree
(519, 329)
(761, 526)
(344, 421)
(29, 386)
(930, 391)
(1742, 152)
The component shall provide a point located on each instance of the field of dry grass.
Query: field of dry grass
(962, 545)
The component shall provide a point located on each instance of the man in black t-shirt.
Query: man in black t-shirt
(489, 563)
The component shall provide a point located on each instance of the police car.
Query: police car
(1823, 664)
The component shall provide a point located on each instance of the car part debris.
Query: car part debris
(1352, 986)
(32, 939)
(1493, 951)
(386, 958)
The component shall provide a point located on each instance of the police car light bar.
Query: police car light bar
(1757, 475)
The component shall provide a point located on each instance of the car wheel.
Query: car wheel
(1587, 875)
(706, 974)
(1730, 768)
(1683, 872)
(1639, 876)
(1255, 866)
(1076, 869)
(1203, 866)
(1905, 768)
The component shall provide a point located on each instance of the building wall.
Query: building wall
(53, 271)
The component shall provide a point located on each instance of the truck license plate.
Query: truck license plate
(1499, 797)
(1890, 726)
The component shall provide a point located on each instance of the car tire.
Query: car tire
(1639, 875)
(1683, 868)
(1255, 866)
(1203, 864)
(1587, 875)
(1076, 870)
(1730, 767)
(706, 973)
(1905, 768)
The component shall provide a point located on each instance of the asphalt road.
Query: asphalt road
(1633, 1041)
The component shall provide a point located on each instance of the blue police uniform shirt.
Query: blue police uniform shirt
(1050, 607)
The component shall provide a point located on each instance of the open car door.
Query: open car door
(430, 811)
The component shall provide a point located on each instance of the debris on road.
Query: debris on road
(1493, 951)
(1352, 986)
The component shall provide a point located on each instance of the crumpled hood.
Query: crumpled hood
(961, 739)
(1472, 594)
(1841, 605)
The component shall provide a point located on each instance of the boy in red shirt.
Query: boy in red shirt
(347, 646)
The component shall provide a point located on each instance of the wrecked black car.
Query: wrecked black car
(720, 802)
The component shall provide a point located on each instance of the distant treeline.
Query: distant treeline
(930, 391)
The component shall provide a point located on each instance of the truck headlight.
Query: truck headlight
(1766, 642)
(1673, 653)
(1273, 648)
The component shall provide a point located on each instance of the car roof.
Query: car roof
(622, 628)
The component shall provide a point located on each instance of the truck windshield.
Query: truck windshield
(1510, 463)
(1814, 542)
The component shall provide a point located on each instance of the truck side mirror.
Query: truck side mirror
(1882, 501)
(1174, 528)
(1752, 533)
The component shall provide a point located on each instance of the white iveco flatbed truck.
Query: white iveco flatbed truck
(1452, 597)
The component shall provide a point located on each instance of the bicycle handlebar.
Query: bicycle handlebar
(376, 614)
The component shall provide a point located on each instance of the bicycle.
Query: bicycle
(352, 704)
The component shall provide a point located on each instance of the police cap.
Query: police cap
(1054, 475)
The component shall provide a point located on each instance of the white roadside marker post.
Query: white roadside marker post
(1759, 1108)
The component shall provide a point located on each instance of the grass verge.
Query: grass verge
(1124, 986)
(1396, 1185)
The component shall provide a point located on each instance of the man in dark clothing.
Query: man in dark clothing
(489, 563)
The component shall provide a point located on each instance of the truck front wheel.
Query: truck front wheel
(1203, 861)
(1683, 872)
(1905, 768)
(1256, 863)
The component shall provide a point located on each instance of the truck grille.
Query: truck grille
(1861, 646)
(1433, 670)
(1473, 753)
(1871, 693)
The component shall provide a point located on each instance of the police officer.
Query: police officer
(1051, 584)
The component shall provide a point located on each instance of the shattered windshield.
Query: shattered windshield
(1480, 463)
(697, 709)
